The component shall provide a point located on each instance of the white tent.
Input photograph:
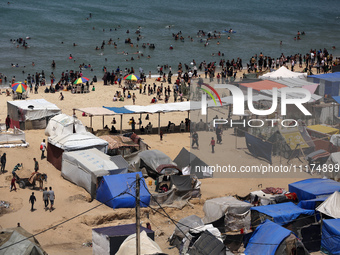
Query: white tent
(282, 73)
(147, 245)
(72, 142)
(62, 124)
(333, 166)
(84, 167)
(331, 206)
(31, 114)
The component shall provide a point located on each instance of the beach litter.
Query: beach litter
(4, 204)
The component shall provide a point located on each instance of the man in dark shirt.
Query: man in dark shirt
(32, 200)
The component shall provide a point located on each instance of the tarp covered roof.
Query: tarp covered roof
(215, 208)
(282, 73)
(155, 158)
(113, 185)
(76, 141)
(263, 85)
(282, 213)
(311, 203)
(330, 236)
(324, 129)
(314, 97)
(96, 111)
(313, 188)
(331, 206)
(118, 141)
(327, 76)
(36, 108)
(266, 239)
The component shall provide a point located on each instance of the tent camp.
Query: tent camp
(184, 158)
(85, 167)
(227, 213)
(9, 237)
(272, 239)
(107, 240)
(63, 124)
(312, 204)
(71, 142)
(313, 188)
(330, 238)
(147, 245)
(31, 114)
(282, 73)
(112, 186)
(288, 215)
(331, 206)
(153, 159)
(333, 165)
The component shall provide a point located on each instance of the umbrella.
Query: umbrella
(81, 80)
(19, 87)
(131, 77)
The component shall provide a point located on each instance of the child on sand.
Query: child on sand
(212, 143)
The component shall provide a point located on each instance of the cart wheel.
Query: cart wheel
(22, 184)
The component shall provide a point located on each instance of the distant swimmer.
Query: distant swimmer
(333, 47)
(75, 44)
(127, 31)
(228, 37)
(169, 26)
(70, 57)
(27, 37)
(171, 48)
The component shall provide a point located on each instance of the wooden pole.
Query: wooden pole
(103, 121)
(159, 123)
(91, 121)
(121, 123)
(138, 215)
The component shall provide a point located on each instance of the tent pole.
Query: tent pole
(103, 121)
(138, 250)
(121, 123)
(91, 121)
(159, 123)
(140, 117)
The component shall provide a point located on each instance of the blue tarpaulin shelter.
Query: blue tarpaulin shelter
(312, 203)
(330, 239)
(266, 239)
(329, 83)
(113, 185)
(119, 110)
(259, 148)
(313, 188)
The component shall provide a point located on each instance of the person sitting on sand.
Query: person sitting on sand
(115, 98)
(61, 96)
(154, 100)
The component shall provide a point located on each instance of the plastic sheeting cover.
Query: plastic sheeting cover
(266, 239)
(187, 223)
(330, 238)
(331, 206)
(215, 208)
(282, 213)
(154, 158)
(62, 124)
(259, 148)
(313, 188)
(147, 246)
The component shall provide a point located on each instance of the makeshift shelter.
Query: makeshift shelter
(120, 145)
(227, 213)
(259, 148)
(11, 136)
(329, 83)
(179, 189)
(31, 114)
(331, 206)
(72, 142)
(63, 124)
(333, 167)
(112, 186)
(282, 73)
(107, 240)
(320, 131)
(288, 215)
(272, 239)
(197, 166)
(313, 188)
(12, 239)
(207, 243)
(330, 238)
(266, 198)
(153, 160)
(311, 204)
(85, 167)
(147, 245)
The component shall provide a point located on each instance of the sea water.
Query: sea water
(260, 25)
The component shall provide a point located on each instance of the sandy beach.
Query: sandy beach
(72, 200)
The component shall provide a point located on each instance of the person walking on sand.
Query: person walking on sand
(13, 184)
(195, 140)
(32, 200)
(8, 122)
(161, 135)
(212, 143)
(36, 165)
(43, 148)
(51, 197)
(134, 98)
(3, 162)
(45, 197)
